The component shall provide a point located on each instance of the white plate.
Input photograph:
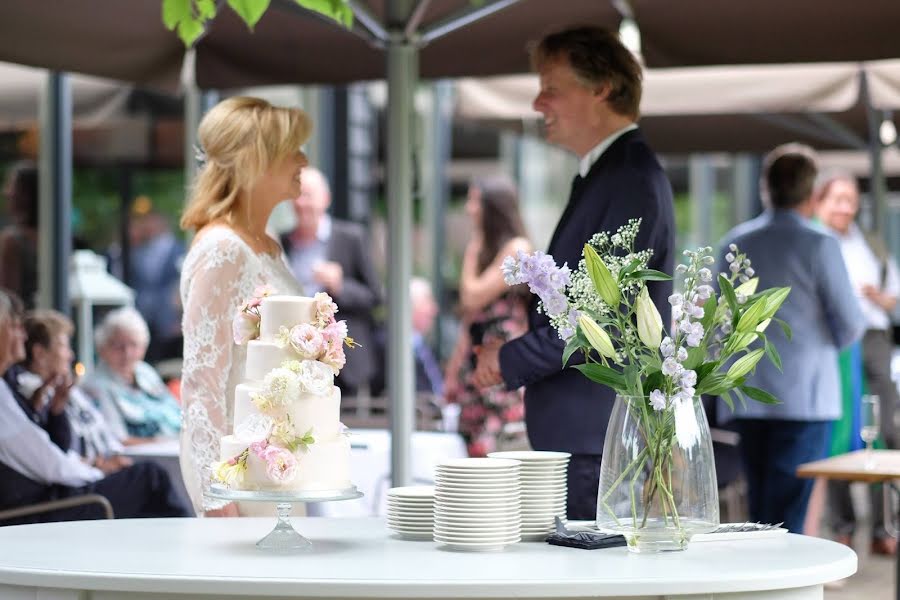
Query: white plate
(479, 496)
(415, 537)
(505, 541)
(470, 474)
(410, 507)
(476, 547)
(409, 529)
(412, 491)
(530, 455)
(479, 463)
(486, 489)
(410, 522)
(489, 522)
(441, 481)
(465, 513)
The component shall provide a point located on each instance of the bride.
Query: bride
(253, 161)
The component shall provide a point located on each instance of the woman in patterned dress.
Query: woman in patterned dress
(252, 162)
(490, 310)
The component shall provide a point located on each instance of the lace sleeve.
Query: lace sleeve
(215, 273)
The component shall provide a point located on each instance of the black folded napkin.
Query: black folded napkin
(586, 540)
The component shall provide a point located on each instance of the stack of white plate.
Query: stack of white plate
(410, 511)
(543, 478)
(477, 504)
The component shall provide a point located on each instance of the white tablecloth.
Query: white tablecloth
(194, 559)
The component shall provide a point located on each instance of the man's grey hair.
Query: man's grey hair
(124, 319)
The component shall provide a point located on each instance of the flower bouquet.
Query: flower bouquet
(657, 482)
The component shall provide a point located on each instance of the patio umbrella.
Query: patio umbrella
(700, 32)
(746, 108)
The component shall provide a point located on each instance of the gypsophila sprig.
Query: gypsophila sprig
(604, 312)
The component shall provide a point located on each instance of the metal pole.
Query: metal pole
(877, 188)
(702, 185)
(402, 75)
(55, 203)
(442, 121)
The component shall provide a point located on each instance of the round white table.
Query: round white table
(357, 558)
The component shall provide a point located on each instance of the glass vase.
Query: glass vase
(657, 476)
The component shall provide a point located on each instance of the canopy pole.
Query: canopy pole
(402, 58)
(877, 187)
(55, 201)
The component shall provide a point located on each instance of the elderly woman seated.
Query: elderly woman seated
(128, 391)
(35, 469)
(43, 384)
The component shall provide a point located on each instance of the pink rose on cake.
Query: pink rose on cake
(334, 356)
(245, 327)
(281, 464)
(307, 341)
(325, 309)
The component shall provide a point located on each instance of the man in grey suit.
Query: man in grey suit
(333, 256)
(787, 249)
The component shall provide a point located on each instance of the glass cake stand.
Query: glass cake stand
(284, 538)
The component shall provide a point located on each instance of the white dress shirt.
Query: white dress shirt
(26, 448)
(597, 151)
(864, 268)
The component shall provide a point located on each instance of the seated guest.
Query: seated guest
(33, 469)
(47, 366)
(129, 392)
(48, 414)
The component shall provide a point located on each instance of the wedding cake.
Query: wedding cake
(287, 432)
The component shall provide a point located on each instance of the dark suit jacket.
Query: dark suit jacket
(564, 410)
(360, 295)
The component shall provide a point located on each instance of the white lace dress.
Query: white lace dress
(220, 272)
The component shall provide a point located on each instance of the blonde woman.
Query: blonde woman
(252, 162)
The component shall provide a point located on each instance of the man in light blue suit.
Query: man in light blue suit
(788, 250)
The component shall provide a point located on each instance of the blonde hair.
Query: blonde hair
(241, 137)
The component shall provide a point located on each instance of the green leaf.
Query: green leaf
(251, 11)
(711, 384)
(759, 395)
(705, 369)
(572, 346)
(726, 396)
(773, 355)
(626, 271)
(784, 328)
(206, 8)
(174, 11)
(728, 292)
(339, 10)
(695, 357)
(651, 275)
(745, 364)
(709, 313)
(189, 29)
(605, 375)
(738, 341)
(653, 381)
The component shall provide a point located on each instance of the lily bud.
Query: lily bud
(748, 288)
(598, 338)
(603, 280)
(649, 323)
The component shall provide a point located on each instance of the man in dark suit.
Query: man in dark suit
(333, 256)
(590, 94)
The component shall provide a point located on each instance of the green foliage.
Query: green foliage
(188, 18)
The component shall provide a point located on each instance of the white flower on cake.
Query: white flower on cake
(325, 309)
(254, 428)
(281, 387)
(315, 377)
(231, 472)
(307, 341)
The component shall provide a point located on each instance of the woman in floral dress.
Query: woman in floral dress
(490, 310)
(252, 162)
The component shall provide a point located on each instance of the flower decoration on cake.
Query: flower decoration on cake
(231, 472)
(315, 377)
(307, 341)
(245, 325)
(323, 340)
(325, 309)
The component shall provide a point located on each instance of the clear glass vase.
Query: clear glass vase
(657, 476)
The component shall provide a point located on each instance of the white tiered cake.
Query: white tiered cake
(287, 433)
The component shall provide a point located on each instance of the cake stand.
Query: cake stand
(284, 538)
